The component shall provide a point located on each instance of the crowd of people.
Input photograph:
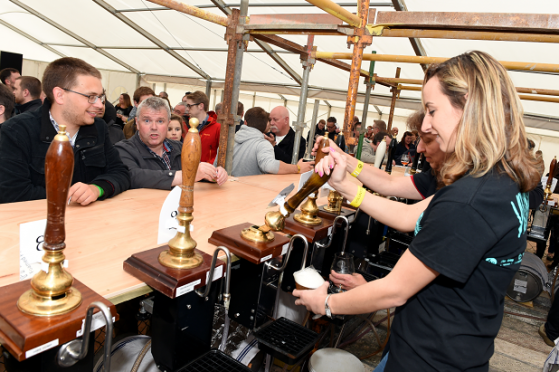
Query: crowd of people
(483, 181)
(136, 143)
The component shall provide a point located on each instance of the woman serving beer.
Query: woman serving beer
(449, 286)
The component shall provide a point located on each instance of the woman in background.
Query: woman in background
(176, 128)
(123, 109)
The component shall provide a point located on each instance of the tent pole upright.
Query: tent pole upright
(360, 40)
(369, 82)
(238, 68)
(393, 103)
(299, 124)
(312, 130)
(225, 118)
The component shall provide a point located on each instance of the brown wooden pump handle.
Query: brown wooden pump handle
(552, 167)
(190, 159)
(313, 183)
(59, 168)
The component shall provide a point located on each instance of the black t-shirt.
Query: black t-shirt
(474, 234)
(425, 183)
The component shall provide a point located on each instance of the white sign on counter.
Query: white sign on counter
(168, 223)
(31, 237)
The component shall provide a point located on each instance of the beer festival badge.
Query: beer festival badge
(31, 238)
(168, 223)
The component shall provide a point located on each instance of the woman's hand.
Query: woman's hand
(347, 281)
(313, 300)
(334, 163)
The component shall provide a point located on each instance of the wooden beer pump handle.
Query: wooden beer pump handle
(276, 220)
(59, 168)
(181, 254)
(190, 159)
(552, 166)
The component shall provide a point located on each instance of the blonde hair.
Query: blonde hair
(491, 130)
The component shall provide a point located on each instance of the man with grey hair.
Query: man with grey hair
(218, 108)
(153, 160)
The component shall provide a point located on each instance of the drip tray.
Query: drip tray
(286, 340)
(214, 361)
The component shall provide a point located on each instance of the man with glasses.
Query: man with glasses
(197, 103)
(74, 97)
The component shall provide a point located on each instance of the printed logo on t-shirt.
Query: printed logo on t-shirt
(506, 262)
(418, 224)
(521, 212)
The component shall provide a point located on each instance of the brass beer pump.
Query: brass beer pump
(181, 254)
(276, 220)
(51, 290)
(547, 191)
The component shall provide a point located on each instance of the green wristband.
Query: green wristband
(101, 192)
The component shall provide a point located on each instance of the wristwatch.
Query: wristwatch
(327, 308)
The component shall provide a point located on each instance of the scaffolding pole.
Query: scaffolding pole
(360, 40)
(193, 11)
(225, 118)
(369, 82)
(517, 66)
(339, 12)
(300, 123)
(312, 130)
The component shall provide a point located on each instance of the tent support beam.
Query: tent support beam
(75, 36)
(264, 46)
(400, 6)
(193, 11)
(312, 130)
(151, 38)
(44, 45)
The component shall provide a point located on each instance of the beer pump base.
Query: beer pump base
(255, 252)
(307, 220)
(171, 282)
(25, 335)
(169, 260)
(257, 234)
(34, 304)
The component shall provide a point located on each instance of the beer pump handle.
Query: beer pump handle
(59, 168)
(390, 156)
(413, 169)
(190, 159)
(552, 166)
(313, 183)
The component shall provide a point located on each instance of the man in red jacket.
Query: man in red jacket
(197, 103)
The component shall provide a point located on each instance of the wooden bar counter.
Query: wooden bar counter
(99, 237)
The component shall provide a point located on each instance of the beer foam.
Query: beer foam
(308, 277)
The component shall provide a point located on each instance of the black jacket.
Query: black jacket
(23, 147)
(284, 150)
(29, 106)
(146, 171)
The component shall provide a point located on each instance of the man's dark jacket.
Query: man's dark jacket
(284, 150)
(23, 147)
(29, 106)
(146, 171)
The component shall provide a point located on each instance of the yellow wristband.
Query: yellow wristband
(357, 169)
(356, 202)
(298, 169)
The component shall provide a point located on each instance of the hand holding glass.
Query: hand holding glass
(342, 264)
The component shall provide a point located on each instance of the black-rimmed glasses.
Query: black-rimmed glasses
(194, 104)
(91, 99)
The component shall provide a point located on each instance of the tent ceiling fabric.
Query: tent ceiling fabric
(100, 28)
